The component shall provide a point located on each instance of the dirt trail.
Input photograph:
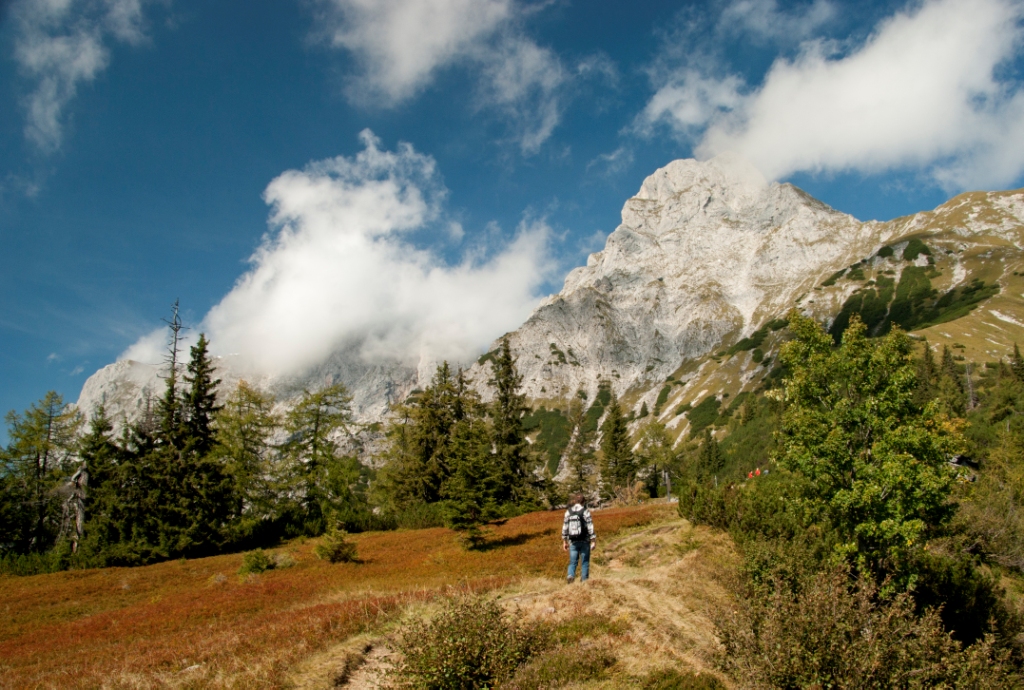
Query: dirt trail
(659, 582)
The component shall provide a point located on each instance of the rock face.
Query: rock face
(706, 253)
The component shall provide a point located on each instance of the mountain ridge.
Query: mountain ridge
(706, 255)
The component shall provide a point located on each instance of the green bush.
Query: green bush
(820, 631)
(559, 667)
(471, 643)
(915, 248)
(335, 547)
(672, 679)
(703, 415)
(255, 562)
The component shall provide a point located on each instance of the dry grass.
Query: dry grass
(648, 604)
(658, 584)
(197, 624)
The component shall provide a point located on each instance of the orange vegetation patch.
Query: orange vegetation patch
(198, 624)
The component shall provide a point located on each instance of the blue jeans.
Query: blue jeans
(579, 551)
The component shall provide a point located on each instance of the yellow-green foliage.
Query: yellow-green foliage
(336, 548)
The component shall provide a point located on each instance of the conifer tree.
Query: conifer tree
(200, 403)
(618, 468)
(509, 439)
(470, 489)
(41, 443)
(654, 454)
(1017, 364)
(418, 458)
(322, 475)
(710, 460)
(169, 412)
(578, 456)
(950, 387)
(244, 428)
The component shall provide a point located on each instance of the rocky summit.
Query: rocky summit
(707, 256)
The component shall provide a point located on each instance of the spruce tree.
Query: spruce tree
(654, 454)
(618, 469)
(1017, 364)
(417, 461)
(470, 489)
(950, 388)
(200, 403)
(710, 460)
(509, 439)
(578, 456)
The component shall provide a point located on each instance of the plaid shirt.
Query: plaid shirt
(586, 519)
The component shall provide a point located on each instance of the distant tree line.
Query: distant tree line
(194, 477)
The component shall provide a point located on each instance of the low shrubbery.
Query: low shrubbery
(471, 643)
(335, 547)
(819, 629)
(256, 562)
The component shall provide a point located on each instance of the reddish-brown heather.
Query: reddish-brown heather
(198, 624)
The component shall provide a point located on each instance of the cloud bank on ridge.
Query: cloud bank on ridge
(924, 91)
(338, 269)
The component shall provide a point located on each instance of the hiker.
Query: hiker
(578, 538)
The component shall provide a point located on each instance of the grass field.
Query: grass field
(198, 624)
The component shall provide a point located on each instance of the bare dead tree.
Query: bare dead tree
(73, 518)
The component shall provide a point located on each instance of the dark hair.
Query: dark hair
(578, 498)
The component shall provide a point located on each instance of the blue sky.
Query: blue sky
(413, 175)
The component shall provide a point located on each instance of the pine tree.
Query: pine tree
(1017, 364)
(169, 412)
(654, 454)
(578, 456)
(41, 443)
(710, 460)
(950, 388)
(509, 439)
(618, 469)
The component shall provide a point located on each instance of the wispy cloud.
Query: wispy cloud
(339, 269)
(765, 20)
(612, 163)
(61, 44)
(924, 91)
(401, 45)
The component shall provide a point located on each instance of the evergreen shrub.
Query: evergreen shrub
(256, 562)
(470, 644)
(335, 548)
(673, 679)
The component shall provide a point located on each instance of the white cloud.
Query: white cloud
(338, 269)
(400, 46)
(59, 44)
(525, 80)
(764, 19)
(689, 101)
(401, 43)
(612, 163)
(922, 92)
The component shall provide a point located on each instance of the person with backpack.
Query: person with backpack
(578, 538)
